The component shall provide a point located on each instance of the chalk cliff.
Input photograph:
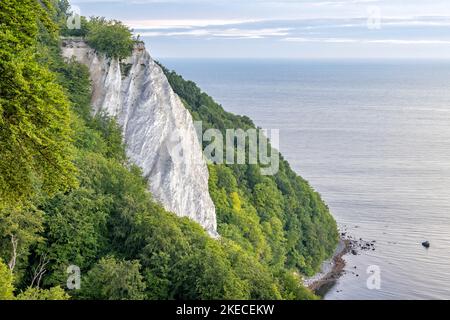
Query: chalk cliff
(159, 132)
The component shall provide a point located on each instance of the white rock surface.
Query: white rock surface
(158, 130)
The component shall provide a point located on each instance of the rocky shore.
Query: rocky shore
(334, 268)
(331, 270)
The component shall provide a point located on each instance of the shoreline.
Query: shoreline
(331, 271)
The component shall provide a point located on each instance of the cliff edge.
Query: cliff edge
(159, 132)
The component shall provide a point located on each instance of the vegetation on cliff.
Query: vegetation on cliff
(280, 219)
(69, 196)
(109, 37)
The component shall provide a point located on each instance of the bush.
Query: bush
(112, 279)
(6, 280)
(111, 38)
(55, 293)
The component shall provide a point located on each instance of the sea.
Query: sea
(373, 138)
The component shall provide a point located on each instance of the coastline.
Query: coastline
(331, 270)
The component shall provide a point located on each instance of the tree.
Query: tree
(268, 200)
(55, 293)
(113, 279)
(7, 289)
(20, 228)
(35, 134)
(6, 282)
(111, 38)
(75, 226)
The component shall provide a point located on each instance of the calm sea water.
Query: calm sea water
(373, 137)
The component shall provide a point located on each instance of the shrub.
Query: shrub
(110, 37)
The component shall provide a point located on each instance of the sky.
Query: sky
(328, 29)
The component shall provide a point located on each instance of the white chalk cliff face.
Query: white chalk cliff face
(159, 132)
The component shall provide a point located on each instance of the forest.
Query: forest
(69, 195)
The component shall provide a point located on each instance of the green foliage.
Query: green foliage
(111, 38)
(35, 135)
(6, 282)
(75, 79)
(7, 289)
(75, 231)
(55, 293)
(181, 262)
(112, 279)
(20, 21)
(20, 228)
(111, 133)
(280, 218)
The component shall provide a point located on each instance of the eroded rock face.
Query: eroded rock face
(159, 132)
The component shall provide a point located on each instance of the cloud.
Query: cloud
(394, 30)
(231, 33)
(370, 41)
(409, 41)
(344, 3)
(324, 40)
(182, 23)
(295, 2)
(433, 30)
